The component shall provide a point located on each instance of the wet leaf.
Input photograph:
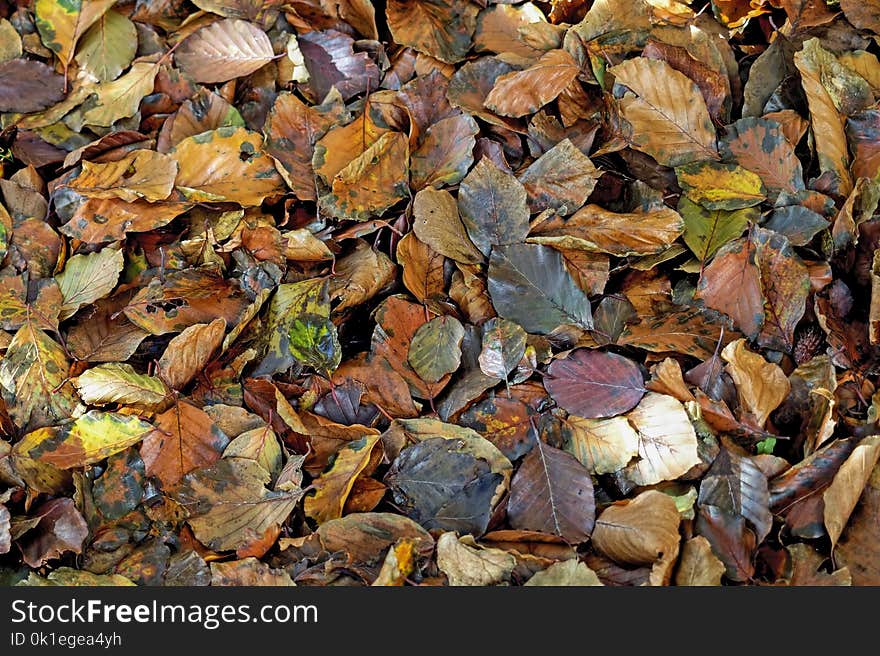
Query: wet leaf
(224, 50)
(553, 493)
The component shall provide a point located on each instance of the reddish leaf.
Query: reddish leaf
(595, 384)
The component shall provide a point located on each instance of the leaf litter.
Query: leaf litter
(440, 292)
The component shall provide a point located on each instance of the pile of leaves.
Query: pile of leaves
(430, 292)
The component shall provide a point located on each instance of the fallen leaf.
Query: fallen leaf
(595, 384)
(761, 386)
(638, 531)
(440, 28)
(436, 222)
(759, 145)
(229, 506)
(504, 344)
(226, 165)
(333, 486)
(466, 563)
(528, 284)
(561, 179)
(603, 446)
(57, 528)
(184, 439)
(248, 571)
(735, 484)
(224, 50)
(117, 382)
(570, 572)
(61, 24)
(28, 86)
(108, 47)
(698, 566)
(143, 174)
(843, 494)
(525, 92)
(435, 349)
(856, 547)
(493, 207)
(667, 440)
(87, 278)
(188, 353)
(720, 186)
(553, 493)
(668, 115)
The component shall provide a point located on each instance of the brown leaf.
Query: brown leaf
(185, 439)
(562, 179)
(805, 564)
(224, 50)
(857, 547)
(440, 28)
(552, 492)
(598, 230)
(639, 531)
(761, 385)
(437, 223)
(57, 527)
(525, 92)
(698, 566)
(843, 494)
(188, 353)
(422, 268)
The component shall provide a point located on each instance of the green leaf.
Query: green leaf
(766, 446)
(86, 278)
(298, 328)
(705, 231)
(108, 47)
(435, 349)
(529, 284)
(493, 207)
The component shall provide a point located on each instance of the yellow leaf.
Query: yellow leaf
(333, 486)
(62, 22)
(92, 437)
(120, 383)
(226, 165)
(721, 186)
(142, 174)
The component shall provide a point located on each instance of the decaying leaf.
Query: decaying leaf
(466, 563)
